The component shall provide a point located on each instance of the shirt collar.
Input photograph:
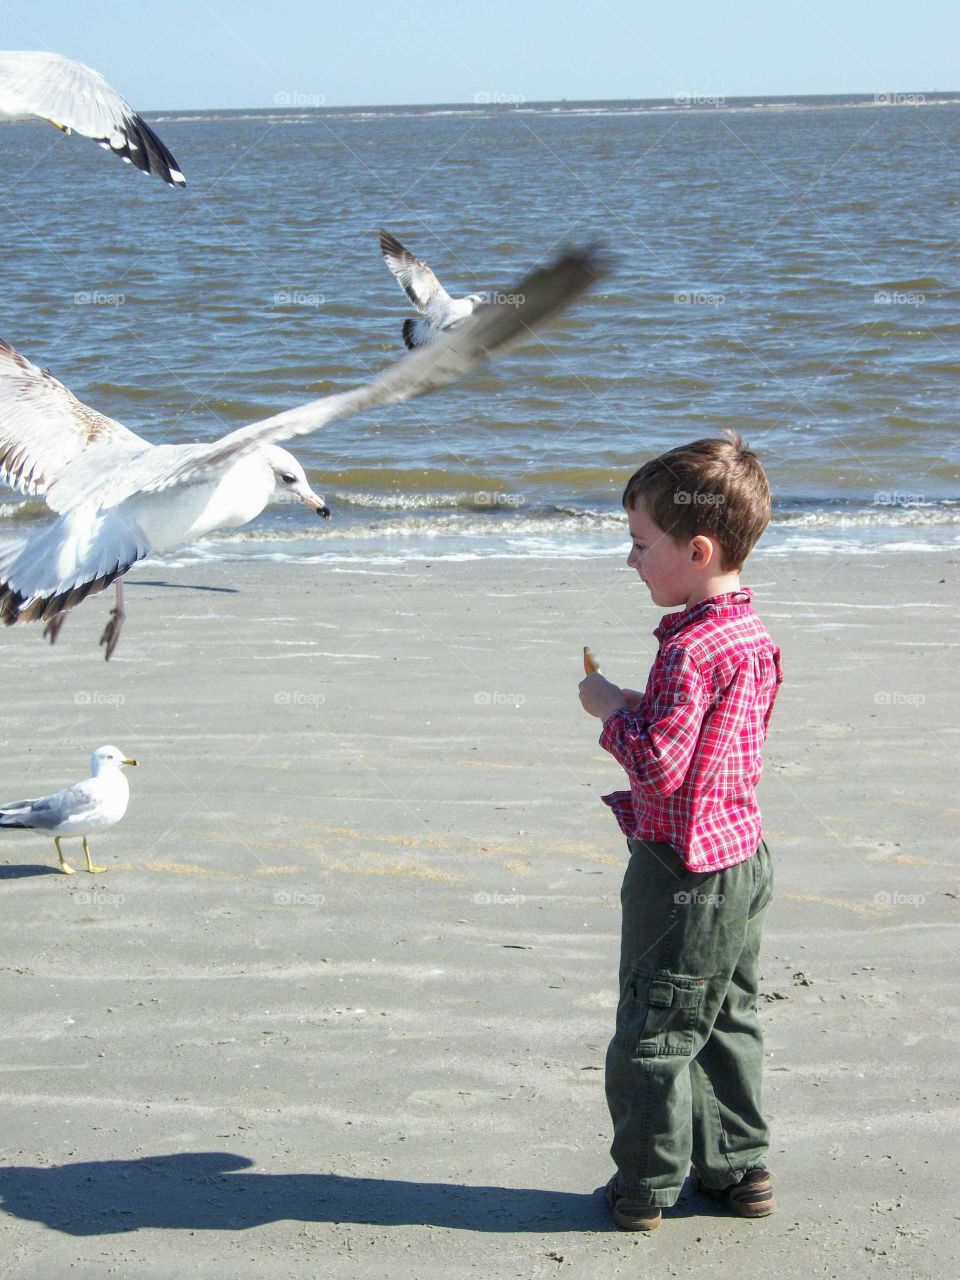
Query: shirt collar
(730, 604)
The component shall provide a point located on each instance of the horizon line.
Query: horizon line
(486, 99)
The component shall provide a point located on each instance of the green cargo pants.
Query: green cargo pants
(684, 1068)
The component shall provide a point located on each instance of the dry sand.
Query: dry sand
(339, 1007)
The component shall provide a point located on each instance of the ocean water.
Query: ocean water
(786, 268)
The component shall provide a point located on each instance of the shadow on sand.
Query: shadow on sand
(179, 586)
(27, 869)
(204, 1191)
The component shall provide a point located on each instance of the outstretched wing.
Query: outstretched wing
(74, 96)
(44, 428)
(416, 279)
(493, 328)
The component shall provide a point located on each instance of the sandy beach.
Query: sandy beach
(340, 1004)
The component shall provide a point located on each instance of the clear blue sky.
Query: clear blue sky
(227, 53)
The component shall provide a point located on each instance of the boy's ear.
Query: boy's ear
(703, 551)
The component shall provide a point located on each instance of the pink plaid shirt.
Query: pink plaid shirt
(691, 749)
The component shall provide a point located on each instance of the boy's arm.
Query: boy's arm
(655, 743)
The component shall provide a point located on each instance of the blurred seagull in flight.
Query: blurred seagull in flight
(440, 312)
(75, 98)
(75, 812)
(55, 447)
(119, 498)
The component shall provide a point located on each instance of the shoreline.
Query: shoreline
(369, 530)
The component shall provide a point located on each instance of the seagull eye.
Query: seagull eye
(287, 478)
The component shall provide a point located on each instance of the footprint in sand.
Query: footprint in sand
(449, 1099)
(879, 849)
(789, 768)
(828, 728)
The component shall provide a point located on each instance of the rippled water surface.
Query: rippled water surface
(790, 272)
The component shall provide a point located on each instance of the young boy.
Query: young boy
(683, 1072)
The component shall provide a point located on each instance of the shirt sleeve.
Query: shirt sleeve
(656, 743)
(777, 682)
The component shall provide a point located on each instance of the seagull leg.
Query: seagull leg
(52, 629)
(65, 866)
(111, 633)
(90, 867)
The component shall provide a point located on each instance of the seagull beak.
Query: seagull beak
(315, 503)
(133, 762)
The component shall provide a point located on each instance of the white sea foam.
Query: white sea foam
(347, 549)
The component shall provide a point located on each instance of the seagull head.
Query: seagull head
(108, 758)
(290, 478)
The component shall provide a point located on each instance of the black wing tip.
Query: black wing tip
(593, 261)
(571, 272)
(10, 602)
(389, 244)
(143, 149)
(407, 331)
(543, 293)
(46, 607)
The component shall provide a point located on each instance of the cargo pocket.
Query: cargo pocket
(658, 1014)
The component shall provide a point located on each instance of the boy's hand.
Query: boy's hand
(600, 697)
(632, 698)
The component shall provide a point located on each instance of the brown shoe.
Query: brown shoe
(629, 1214)
(751, 1197)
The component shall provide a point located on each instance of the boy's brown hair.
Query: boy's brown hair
(715, 487)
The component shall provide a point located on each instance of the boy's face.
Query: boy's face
(668, 569)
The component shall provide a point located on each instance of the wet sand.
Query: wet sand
(340, 1004)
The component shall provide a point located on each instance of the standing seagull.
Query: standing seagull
(73, 813)
(72, 96)
(440, 312)
(120, 498)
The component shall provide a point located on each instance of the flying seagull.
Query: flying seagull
(74, 97)
(440, 312)
(73, 813)
(48, 436)
(119, 498)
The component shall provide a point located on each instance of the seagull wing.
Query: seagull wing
(416, 279)
(73, 96)
(492, 329)
(49, 811)
(44, 428)
(79, 554)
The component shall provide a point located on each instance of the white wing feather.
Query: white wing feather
(414, 276)
(74, 96)
(44, 428)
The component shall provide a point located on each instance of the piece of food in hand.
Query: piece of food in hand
(590, 664)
